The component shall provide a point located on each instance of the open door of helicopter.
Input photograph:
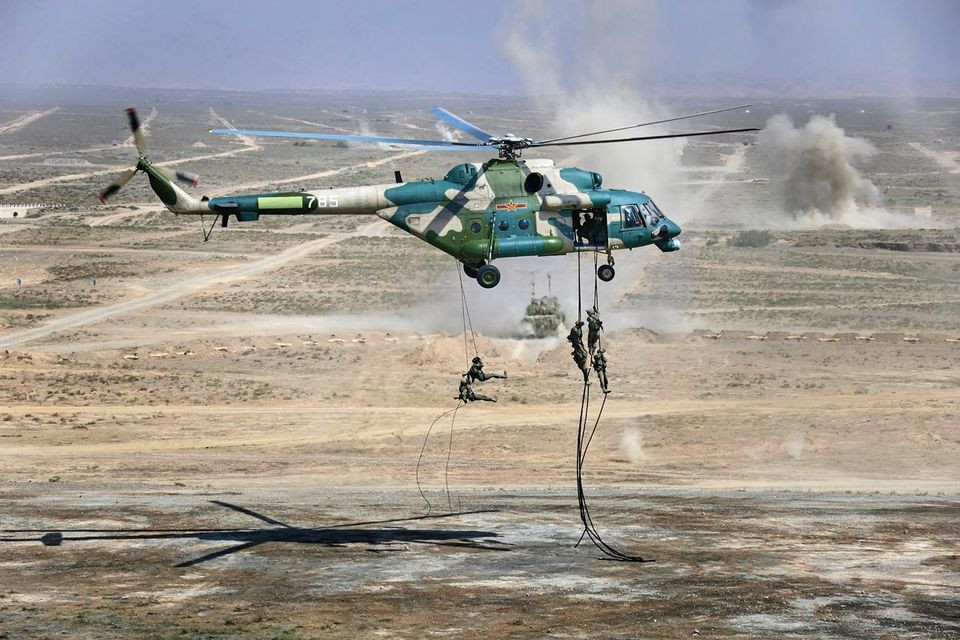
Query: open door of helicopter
(590, 227)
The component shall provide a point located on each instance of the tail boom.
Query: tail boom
(247, 208)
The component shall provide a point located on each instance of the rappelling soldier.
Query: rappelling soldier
(600, 366)
(477, 374)
(579, 354)
(594, 327)
(467, 394)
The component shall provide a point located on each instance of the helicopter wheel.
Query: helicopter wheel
(605, 272)
(488, 276)
(471, 271)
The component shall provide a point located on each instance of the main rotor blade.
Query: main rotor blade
(460, 123)
(647, 124)
(638, 138)
(135, 128)
(439, 145)
(117, 184)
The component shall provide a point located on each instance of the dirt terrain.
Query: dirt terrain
(219, 440)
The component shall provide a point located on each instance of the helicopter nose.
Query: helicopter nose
(673, 229)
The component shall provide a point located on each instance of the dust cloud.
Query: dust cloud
(794, 444)
(812, 169)
(631, 445)
(445, 132)
(599, 89)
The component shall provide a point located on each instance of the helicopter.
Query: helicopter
(478, 212)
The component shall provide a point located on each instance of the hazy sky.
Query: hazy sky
(802, 47)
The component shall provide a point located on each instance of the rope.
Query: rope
(446, 471)
(465, 316)
(424, 448)
(596, 285)
(584, 440)
(467, 322)
(579, 294)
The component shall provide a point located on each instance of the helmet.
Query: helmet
(477, 360)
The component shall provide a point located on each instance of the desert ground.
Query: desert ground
(225, 439)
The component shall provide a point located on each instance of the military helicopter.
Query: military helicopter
(478, 212)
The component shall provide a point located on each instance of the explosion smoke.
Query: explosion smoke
(599, 89)
(812, 169)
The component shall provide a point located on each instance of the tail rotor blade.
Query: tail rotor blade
(186, 177)
(189, 178)
(138, 140)
(117, 184)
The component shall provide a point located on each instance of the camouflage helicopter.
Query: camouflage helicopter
(478, 212)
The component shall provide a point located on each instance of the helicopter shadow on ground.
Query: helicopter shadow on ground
(247, 538)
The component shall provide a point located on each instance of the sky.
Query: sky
(681, 47)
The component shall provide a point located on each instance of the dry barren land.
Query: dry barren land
(219, 440)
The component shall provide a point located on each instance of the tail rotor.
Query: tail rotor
(140, 143)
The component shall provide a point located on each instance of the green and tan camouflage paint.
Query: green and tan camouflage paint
(478, 211)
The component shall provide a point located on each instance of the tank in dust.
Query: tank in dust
(544, 318)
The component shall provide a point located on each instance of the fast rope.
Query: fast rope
(423, 448)
(467, 323)
(465, 315)
(584, 440)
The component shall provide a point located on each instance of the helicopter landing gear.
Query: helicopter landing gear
(606, 272)
(470, 270)
(488, 276)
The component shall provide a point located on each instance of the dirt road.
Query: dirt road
(179, 289)
(24, 120)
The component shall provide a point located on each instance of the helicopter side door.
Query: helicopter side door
(590, 228)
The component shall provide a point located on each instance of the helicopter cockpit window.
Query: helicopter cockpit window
(651, 214)
(630, 216)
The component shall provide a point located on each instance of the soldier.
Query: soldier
(476, 373)
(594, 327)
(579, 353)
(467, 394)
(600, 366)
(585, 228)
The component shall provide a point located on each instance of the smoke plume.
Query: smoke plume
(812, 168)
(599, 88)
(631, 445)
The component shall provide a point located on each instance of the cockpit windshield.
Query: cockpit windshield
(651, 214)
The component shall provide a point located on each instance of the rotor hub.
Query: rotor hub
(510, 145)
